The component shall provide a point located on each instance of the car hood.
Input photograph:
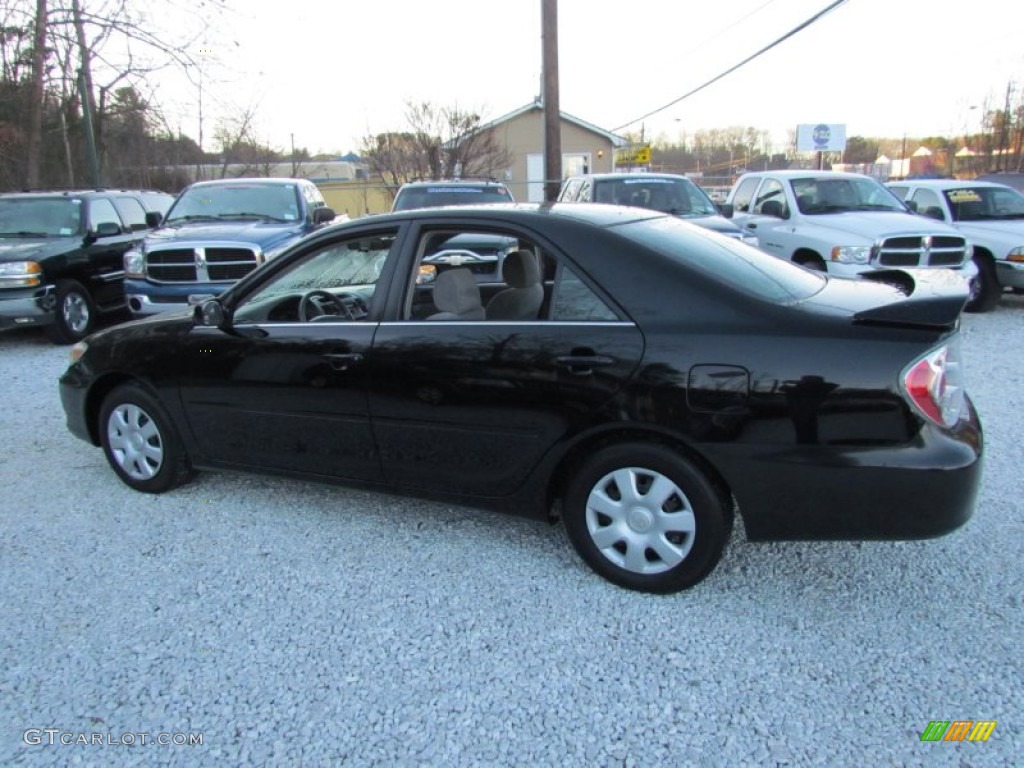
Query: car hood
(262, 233)
(34, 248)
(1008, 233)
(877, 224)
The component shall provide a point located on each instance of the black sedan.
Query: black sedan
(639, 377)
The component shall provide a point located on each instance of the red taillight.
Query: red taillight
(934, 385)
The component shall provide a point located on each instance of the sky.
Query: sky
(327, 74)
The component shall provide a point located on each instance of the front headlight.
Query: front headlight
(20, 274)
(852, 254)
(1017, 255)
(134, 264)
(76, 352)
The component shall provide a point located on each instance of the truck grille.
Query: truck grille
(922, 251)
(200, 265)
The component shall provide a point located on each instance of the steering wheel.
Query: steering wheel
(313, 305)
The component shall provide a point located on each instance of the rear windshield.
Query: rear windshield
(434, 197)
(679, 197)
(726, 261)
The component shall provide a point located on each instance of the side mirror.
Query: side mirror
(933, 212)
(107, 229)
(773, 208)
(912, 205)
(210, 314)
(323, 215)
(725, 209)
(153, 219)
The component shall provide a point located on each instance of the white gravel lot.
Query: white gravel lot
(297, 624)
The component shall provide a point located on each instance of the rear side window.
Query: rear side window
(744, 194)
(574, 301)
(746, 269)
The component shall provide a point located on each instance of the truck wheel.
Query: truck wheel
(74, 315)
(985, 287)
(811, 262)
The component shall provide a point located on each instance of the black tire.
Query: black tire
(140, 441)
(624, 555)
(74, 315)
(985, 288)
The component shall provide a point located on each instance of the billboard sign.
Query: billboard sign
(821, 137)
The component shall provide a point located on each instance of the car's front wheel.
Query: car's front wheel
(75, 315)
(140, 441)
(646, 518)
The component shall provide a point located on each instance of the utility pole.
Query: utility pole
(552, 112)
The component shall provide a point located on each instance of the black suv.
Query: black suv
(61, 255)
(433, 194)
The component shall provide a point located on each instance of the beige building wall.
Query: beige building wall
(356, 198)
(583, 151)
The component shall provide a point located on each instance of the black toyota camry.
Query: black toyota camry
(638, 377)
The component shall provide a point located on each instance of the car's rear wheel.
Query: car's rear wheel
(985, 289)
(645, 518)
(140, 441)
(75, 314)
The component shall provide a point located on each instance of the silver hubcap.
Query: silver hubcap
(135, 442)
(76, 312)
(640, 520)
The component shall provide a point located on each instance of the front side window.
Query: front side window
(250, 200)
(132, 212)
(928, 204)
(336, 282)
(40, 217)
(771, 199)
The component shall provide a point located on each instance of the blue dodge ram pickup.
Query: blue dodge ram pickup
(216, 233)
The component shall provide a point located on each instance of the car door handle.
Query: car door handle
(583, 365)
(751, 226)
(340, 361)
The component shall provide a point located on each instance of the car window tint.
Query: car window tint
(102, 211)
(344, 267)
(573, 300)
(738, 266)
(744, 194)
(132, 212)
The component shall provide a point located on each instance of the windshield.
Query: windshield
(816, 195)
(40, 217)
(679, 197)
(434, 197)
(279, 202)
(726, 261)
(985, 203)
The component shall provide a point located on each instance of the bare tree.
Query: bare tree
(440, 142)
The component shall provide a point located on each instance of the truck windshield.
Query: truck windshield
(279, 202)
(985, 203)
(40, 217)
(679, 197)
(817, 195)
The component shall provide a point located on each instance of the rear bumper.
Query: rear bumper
(919, 490)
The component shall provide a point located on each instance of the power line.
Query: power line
(732, 69)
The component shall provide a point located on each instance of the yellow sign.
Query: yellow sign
(639, 155)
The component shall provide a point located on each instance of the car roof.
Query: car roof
(82, 192)
(598, 214)
(807, 173)
(454, 183)
(264, 180)
(616, 176)
(944, 183)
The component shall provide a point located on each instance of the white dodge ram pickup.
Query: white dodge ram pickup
(843, 223)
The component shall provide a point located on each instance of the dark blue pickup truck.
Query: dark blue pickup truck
(216, 233)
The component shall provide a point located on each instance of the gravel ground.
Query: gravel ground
(296, 624)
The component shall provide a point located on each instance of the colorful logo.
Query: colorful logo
(958, 730)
